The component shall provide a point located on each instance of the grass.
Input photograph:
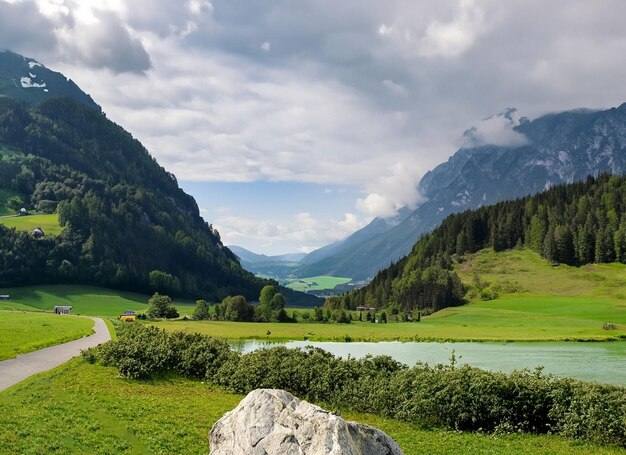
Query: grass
(48, 223)
(81, 408)
(316, 283)
(85, 300)
(26, 332)
(535, 302)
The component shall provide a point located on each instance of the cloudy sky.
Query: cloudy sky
(293, 123)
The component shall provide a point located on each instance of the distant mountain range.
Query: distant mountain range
(559, 148)
(254, 258)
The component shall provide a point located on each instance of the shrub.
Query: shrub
(465, 398)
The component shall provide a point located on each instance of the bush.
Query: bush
(465, 398)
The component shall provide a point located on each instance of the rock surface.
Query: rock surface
(274, 422)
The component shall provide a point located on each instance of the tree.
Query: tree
(164, 282)
(383, 317)
(201, 311)
(15, 203)
(265, 302)
(160, 306)
(237, 309)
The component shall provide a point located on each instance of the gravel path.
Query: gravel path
(23, 366)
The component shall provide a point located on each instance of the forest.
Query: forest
(574, 224)
(127, 224)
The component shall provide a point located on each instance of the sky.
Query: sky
(294, 123)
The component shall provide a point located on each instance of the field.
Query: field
(98, 412)
(26, 332)
(535, 302)
(316, 283)
(85, 300)
(48, 223)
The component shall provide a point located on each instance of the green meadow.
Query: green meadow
(82, 408)
(26, 332)
(48, 223)
(531, 300)
(84, 300)
(316, 283)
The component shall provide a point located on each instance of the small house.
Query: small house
(128, 316)
(38, 233)
(5, 297)
(366, 308)
(62, 309)
(23, 211)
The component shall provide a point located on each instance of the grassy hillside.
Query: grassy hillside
(26, 332)
(85, 300)
(531, 300)
(49, 223)
(107, 414)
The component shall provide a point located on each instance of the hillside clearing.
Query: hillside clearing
(85, 300)
(48, 223)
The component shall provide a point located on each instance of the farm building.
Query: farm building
(5, 297)
(128, 316)
(62, 309)
(365, 308)
(38, 233)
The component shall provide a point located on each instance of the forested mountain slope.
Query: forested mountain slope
(126, 223)
(559, 148)
(574, 224)
(28, 80)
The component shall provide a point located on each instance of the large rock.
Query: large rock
(274, 422)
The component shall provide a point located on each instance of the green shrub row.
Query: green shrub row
(460, 398)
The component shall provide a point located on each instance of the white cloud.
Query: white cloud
(393, 189)
(263, 235)
(266, 46)
(449, 39)
(496, 130)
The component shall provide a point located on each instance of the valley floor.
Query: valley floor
(82, 408)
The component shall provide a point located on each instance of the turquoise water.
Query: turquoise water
(601, 362)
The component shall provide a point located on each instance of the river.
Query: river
(592, 361)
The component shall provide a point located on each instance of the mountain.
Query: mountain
(575, 224)
(559, 148)
(248, 256)
(276, 267)
(126, 222)
(329, 260)
(28, 80)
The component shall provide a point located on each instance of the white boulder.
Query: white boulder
(274, 422)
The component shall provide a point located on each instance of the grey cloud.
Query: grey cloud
(23, 29)
(107, 44)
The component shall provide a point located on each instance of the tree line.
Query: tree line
(574, 224)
